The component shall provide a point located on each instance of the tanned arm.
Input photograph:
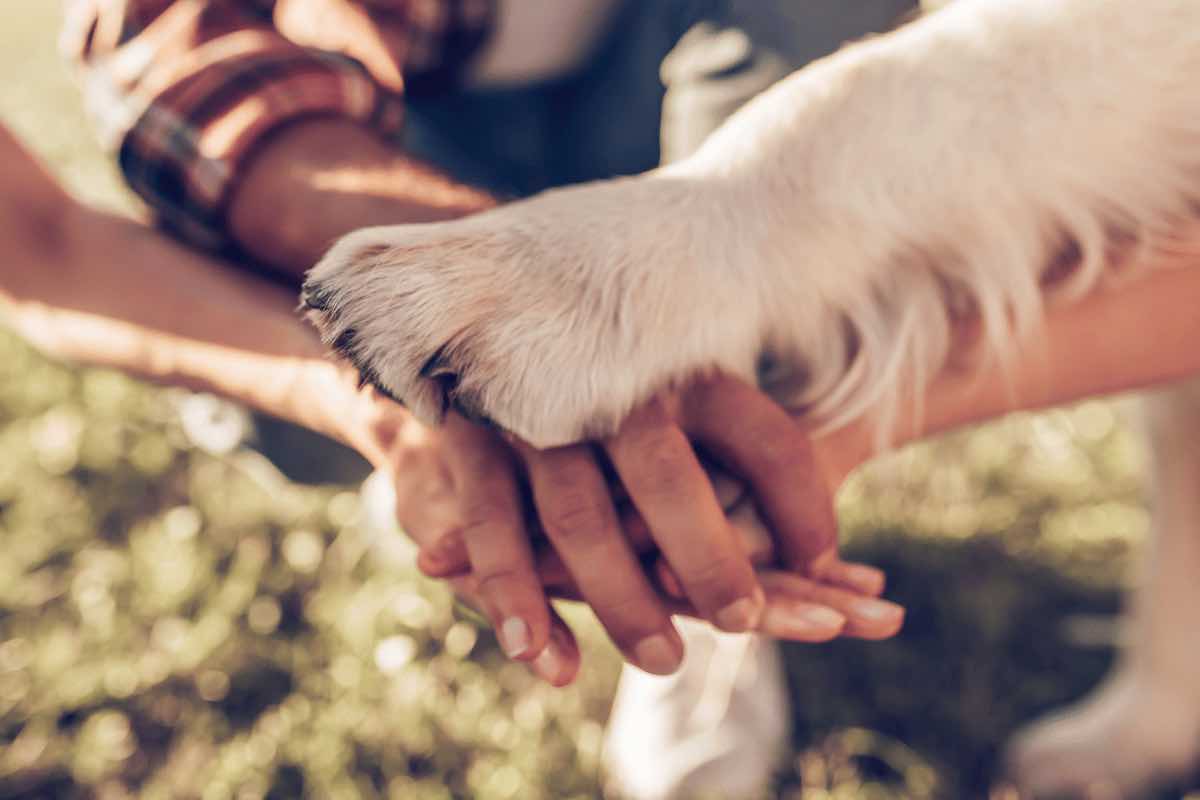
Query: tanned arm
(317, 180)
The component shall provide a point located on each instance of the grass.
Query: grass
(178, 623)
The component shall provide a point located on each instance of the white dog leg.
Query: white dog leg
(828, 228)
(1143, 725)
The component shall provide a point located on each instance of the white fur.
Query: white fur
(836, 223)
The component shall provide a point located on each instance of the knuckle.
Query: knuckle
(569, 471)
(658, 443)
(663, 465)
(711, 577)
(577, 516)
(486, 512)
(476, 459)
(629, 619)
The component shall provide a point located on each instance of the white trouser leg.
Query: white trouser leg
(715, 728)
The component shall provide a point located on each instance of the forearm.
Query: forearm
(318, 180)
(1143, 334)
(99, 289)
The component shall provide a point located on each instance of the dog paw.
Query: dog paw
(1129, 736)
(551, 318)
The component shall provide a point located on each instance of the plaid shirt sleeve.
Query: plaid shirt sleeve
(185, 90)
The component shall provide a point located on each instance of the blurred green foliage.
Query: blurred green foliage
(176, 623)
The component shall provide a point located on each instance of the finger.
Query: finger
(668, 581)
(787, 617)
(494, 534)
(567, 591)
(445, 558)
(752, 537)
(800, 620)
(448, 557)
(784, 618)
(558, 664)
(866, 617)
(752, 533)
(829, 568)
(672, 493)
(861, 578)
(772, 452)
(576, 511)
(556, 581)
(551, 568)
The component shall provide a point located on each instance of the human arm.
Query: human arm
(1144, 333)
(260, 127)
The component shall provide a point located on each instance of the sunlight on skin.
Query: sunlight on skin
(1146, 333)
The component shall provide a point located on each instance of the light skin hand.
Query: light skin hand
(467, 512)
(459, 499)
(597, 545)
(424, 465)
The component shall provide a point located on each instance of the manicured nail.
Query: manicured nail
(514, 637)
(877, 610)
(551, 663)
(822, 617)
(656, 655)
(742, 615)
(803, 619)
(866, 579)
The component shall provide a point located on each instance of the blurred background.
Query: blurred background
(177, 618)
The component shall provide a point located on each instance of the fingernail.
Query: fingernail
(822, 617)
(741, 615)
(550, 664)
(876, 610)
(803, 618)
(656, 655)
(865, 578)
(514, 637)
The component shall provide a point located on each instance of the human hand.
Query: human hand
(513, 526)
(598, 544)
